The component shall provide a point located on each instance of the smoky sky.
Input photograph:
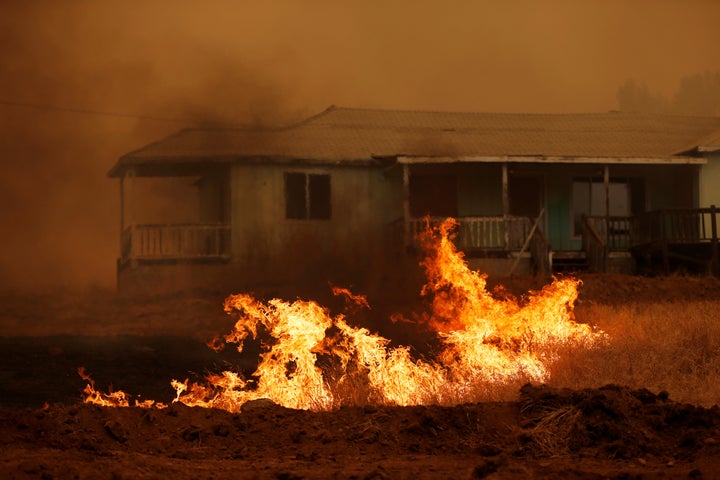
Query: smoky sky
(247, 62)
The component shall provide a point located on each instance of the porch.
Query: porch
(174, 243)
(660, 241)
(490, 237)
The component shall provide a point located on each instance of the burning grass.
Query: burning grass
(487, 344)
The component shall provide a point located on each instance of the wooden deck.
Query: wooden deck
(661, 241)
(671, 239)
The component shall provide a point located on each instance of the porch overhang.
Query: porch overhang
(543, 159)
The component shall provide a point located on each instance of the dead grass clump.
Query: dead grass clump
(672, 346)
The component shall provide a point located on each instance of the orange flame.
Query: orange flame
(319, 362)
(111, 399)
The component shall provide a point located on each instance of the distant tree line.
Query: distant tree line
(698, 94)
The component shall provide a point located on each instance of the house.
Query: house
(340, 195)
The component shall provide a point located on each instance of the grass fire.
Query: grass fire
(317, 361)
(600, 376)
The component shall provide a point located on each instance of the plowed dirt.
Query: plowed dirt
(138, 345)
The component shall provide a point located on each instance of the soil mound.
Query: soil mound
(613, 422)
(609, 432)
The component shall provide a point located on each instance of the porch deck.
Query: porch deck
(677, 238)
(660, 240)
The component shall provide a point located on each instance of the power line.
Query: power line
(97, 112)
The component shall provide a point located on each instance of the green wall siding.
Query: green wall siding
(264, 239)
(480, 190)
(709, 182)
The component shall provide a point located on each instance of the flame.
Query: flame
(317, 361)
(111, 399)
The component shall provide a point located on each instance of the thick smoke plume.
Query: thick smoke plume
(229, 62)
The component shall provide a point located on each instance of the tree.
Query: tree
(698, 94)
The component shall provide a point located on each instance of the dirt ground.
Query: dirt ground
(139, 344)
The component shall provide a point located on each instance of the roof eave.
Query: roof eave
(129, 161)
(545, 159)
(708, 148)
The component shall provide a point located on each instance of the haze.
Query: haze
(240, 62)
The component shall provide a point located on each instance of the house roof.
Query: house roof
(350, 135)
(710, 143)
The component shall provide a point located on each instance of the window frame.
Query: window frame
(589, 181)
(316, 195)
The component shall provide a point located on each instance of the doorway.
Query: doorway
(526, 194)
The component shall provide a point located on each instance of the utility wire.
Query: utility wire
(98, 112)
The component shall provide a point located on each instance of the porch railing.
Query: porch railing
(615, 231)
(175, 242)
(495, 234)
(482, 233)
(691, 225)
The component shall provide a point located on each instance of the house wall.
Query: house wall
(479, 190)
(709, 181)
(272, 247)
(214, 198)
(659, 186)
(670, 186)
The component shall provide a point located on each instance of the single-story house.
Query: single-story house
(339, 196)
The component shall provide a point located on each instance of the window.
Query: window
(307, 196)
(588, 198)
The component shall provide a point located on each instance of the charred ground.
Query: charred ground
(138, 345)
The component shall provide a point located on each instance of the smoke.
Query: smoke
(240, 62)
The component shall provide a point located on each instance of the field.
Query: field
(641, 405)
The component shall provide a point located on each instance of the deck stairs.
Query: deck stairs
(569, 261)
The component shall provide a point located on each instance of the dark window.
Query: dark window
(307, 196)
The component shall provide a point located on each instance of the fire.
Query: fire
(317, 361)
(111, 399)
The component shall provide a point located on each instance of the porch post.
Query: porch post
(606, 182)
(714, 267)
(122, 213)
(133, 201)
(406, 205)
(505, 204)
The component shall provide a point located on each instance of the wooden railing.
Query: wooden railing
(495, 234)
(687, 225)
(175, 242)
(481, 233)
(615, 231)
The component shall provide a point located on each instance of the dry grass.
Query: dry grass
(672, 346)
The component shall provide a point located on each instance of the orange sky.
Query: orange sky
(248, 61)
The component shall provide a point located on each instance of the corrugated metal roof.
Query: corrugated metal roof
(340, 135)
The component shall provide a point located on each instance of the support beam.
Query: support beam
(406, 206)
(505, 204)
(132, 176)
(122, 204)
(606, 182)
